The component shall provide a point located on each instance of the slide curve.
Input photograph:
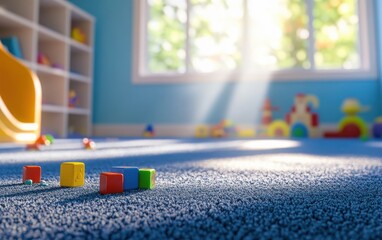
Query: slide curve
(20, 101)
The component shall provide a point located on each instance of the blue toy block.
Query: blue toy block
(130, 176)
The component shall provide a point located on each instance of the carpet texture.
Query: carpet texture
(210, 189)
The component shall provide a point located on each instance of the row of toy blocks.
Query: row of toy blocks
(126, 178)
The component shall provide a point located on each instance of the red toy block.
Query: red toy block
(42, 140)
(33, 146)
(33, 173)
(349, 131)
(111, 183)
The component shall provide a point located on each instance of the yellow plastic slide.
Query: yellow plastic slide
(20, 101)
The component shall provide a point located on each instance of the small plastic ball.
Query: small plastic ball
(28, 182)
(43, 183)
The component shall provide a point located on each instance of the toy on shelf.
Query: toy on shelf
(302, 121)
(12, 44)
(78, 35)
(351, 126)
(149, 131)
(269, 127)
(377, 128)
(73, 98)
(43, 59)
(202, 131)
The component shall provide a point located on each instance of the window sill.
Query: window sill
(274, 76)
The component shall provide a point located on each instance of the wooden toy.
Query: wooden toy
(130, 176)
(201, 131)
(111, 182)
(72, 174)
(270, 128)
(88, 144)
(351, 126)
(302, 114)
(147, 178)
(33, 173)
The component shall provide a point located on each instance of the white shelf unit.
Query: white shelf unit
(44, 27)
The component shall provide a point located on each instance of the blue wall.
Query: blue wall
(118, 101)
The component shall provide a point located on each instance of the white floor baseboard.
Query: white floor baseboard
(162, 130)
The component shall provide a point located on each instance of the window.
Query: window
(190, 40)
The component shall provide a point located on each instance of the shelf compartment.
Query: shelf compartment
(55, 52)
(22, 8)
(24, 36)
(81, 98)
(52, 89)
(80, 63)
(54, 15)
(84, 23)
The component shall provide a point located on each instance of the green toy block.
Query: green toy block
(147, 178)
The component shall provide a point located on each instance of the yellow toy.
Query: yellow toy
(246, 133)
(72, 174)
(278, 128)
(78, 35)
(202, 131)
(20, 101)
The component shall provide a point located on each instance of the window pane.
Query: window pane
(166, 35)
(336, 29)
(215, 34)
(278, 34)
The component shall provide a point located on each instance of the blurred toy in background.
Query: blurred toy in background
(377, 128)
(201, 131)
(149, 131)
(246, 133)
(73, 99)
(351, 126)
(225, 128)
(269, 127)
(43, 59)
(88, 144)
(78, 35)
(302, 120)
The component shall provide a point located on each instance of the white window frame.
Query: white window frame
(367, 70)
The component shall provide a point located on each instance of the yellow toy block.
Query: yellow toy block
(72, 174)
(246, 133)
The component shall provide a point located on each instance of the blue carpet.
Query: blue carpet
(208, 189)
